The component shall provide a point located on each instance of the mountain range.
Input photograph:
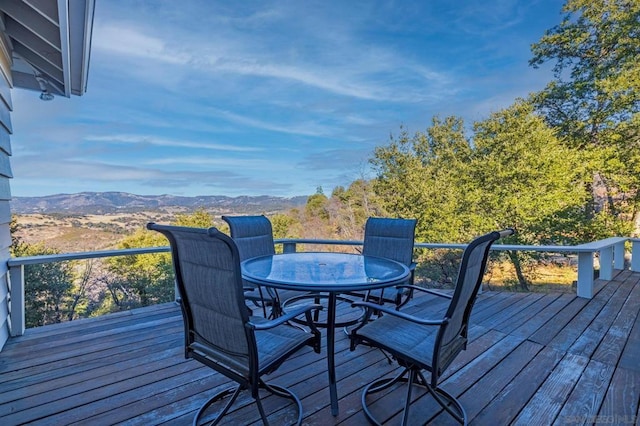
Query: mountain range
(114, 202)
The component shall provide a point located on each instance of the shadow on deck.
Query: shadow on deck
(533, 359)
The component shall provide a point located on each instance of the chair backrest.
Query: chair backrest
(390, 237)
(253, 235)
(207, 269)
(452, 337)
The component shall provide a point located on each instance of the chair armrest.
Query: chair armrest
(392, 311)
(437, 293)
(426, 290)
(284, 318)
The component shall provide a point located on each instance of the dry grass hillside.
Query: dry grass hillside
(98, 220)
(75, 233)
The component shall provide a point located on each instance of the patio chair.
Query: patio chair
(393, 239)
(253, 236)
(419, 344)
(219, 332)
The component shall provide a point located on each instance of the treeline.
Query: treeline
(561, 167)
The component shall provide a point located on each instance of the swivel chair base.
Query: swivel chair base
(442, 397)
(235, 391)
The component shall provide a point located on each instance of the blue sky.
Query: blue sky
(211, 97)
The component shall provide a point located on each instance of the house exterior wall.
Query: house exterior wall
(5, 191)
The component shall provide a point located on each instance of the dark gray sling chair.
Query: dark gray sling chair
(393, 239)
(219, 332)
(427, 344)
(253, 236)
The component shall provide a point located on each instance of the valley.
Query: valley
(92, 221)
(72, 233)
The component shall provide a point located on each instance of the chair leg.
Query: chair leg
(377, 386)
(407, 403)
(284, 393)
(217, 397)
(235, 391)
(442, 397)
(276, 310)
(264, 305)
(400, 303)
(263, 415)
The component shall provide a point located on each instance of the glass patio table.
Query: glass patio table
(326, 273)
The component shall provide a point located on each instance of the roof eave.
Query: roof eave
(79, 27)
(50, 43)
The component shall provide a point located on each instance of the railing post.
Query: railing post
(585, 275)
(288, 247)
(618, 255)
(16, 301)
(635, 254)
(606, 263)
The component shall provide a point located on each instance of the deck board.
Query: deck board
(581, 321)
(478, 396)
(506, 405)
(591, 337)
(587, 396)
(526, 315)
(533, 359)
(622, 398)
(549, 399)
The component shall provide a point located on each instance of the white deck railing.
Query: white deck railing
(611, 256)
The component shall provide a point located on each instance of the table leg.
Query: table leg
(331, 336)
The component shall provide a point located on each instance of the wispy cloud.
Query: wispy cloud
(226, 163)
(128, 41)
(353, 83)
(337, 159)
(365, 75)
(189, 181)
(158, 141)
(308, 128)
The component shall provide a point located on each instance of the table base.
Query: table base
(316, 298)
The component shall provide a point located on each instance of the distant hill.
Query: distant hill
(118, 202)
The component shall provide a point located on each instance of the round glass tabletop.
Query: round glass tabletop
(321, 271)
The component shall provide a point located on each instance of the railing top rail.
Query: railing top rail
(600, 244)
(49, 258)
(317, 241)
(581, 248)
(502, 247)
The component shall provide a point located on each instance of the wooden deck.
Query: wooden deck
(534, 359)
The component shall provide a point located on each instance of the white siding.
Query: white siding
(5, 191)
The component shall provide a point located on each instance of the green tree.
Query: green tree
(48, 287)
(316, 206)
(145, 279)
(349, 209)
(316, 216)
(139, 280)
(594, 102)
(286, 226)
(514, 172)
(425, 176)
(523, 177)
(200, 218)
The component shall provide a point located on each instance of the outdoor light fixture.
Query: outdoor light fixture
(45, 95)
